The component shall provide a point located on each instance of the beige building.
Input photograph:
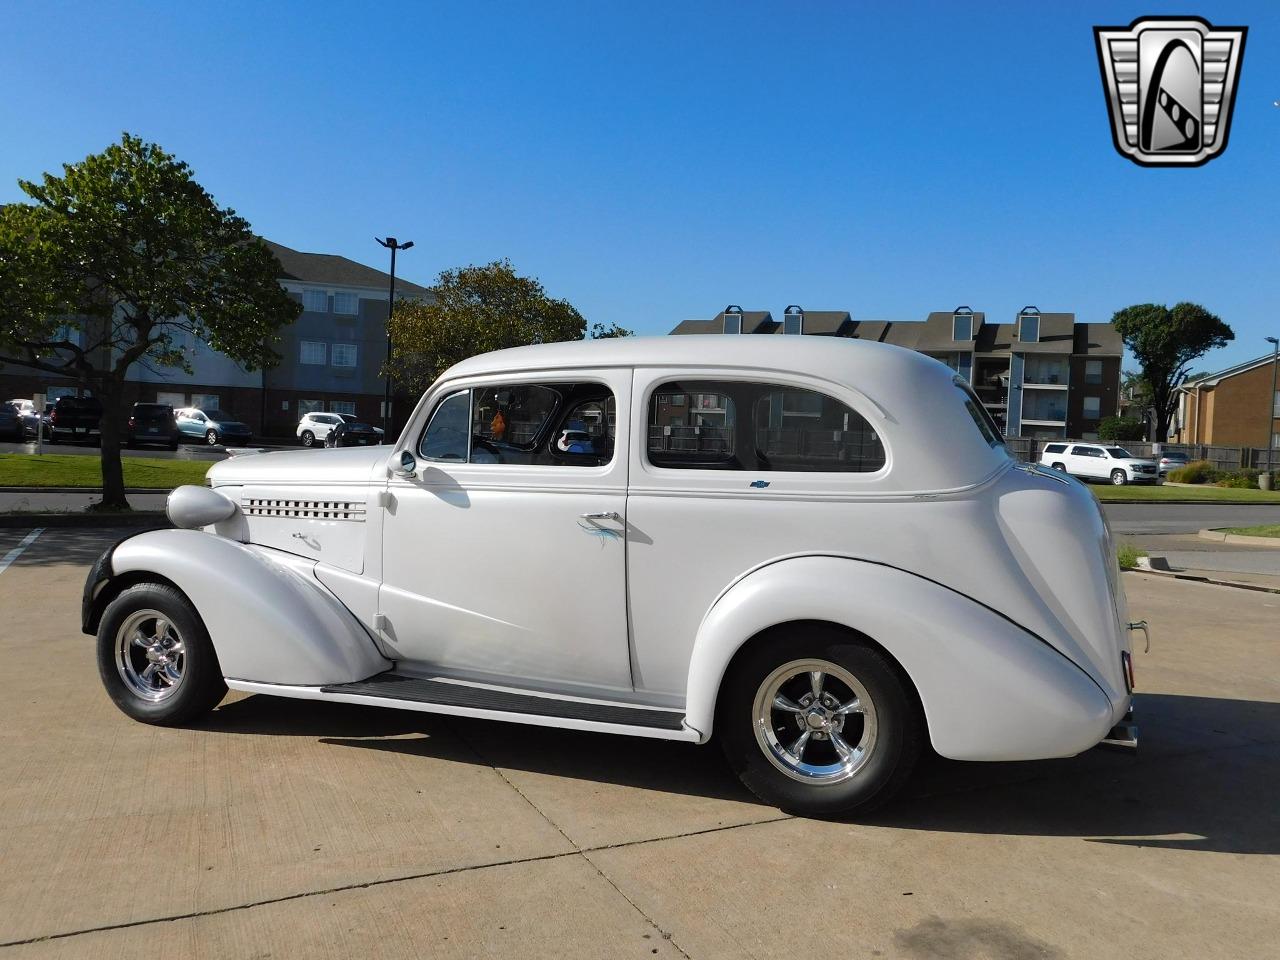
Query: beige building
(1229, 408)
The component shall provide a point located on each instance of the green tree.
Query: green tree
(130, 253)
(474, 310)
(1165, 341)
(1121, 428)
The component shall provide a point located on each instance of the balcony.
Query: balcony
(1044, 407)
(1045, 372)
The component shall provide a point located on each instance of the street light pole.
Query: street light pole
(393, 245)
(1271, 400)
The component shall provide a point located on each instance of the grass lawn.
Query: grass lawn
(62, 470)
(1140, 492)
(1266, 530)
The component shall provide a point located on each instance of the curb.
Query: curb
(86, 490)
(1159, 566)
(140, 518)
(1202, 503)
(1267, 543)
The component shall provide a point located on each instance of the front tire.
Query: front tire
(1060, 466)
(308, 438)
(155, 657)
(211, 438)
(818, 722)
(1119, 478)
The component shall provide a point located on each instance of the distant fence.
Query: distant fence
(1028, 450)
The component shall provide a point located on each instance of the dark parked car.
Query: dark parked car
(75, 418)
(152, 423)
(352, 433)
(10, 423)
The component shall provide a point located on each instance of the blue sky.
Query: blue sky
(655, 161)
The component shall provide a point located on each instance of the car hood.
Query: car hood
(343, 465)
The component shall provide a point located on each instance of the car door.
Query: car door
(504, 555)
(1084, 461)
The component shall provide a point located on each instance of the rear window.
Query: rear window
(1055, 447)
(981, 418)
(151, 409)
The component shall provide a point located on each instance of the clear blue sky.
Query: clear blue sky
(654, 161)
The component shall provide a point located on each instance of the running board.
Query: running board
(400, 691)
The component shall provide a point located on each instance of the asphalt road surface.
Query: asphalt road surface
(291, 829)
(1134, 518)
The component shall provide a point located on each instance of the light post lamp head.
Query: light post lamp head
(1273, 341)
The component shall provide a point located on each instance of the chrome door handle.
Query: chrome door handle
(592, 517)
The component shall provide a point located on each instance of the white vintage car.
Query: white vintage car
(817, 551)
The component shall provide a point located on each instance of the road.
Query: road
(184, 452)
(291, 829)
(1135, 518)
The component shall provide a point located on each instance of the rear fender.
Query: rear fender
(269, 618)
(990, 690)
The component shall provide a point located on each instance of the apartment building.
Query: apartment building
(330, 358)
(1043, 375)
(1229, 408)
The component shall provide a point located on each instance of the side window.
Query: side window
(558, 424)
(446, 435)
(805, 430)
(693, 425)
(730, 425)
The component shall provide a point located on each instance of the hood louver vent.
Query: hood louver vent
(303, 509)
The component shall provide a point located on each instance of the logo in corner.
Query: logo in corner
(1171, 86)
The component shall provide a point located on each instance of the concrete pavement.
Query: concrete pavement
(282, 828)
(1154, 518)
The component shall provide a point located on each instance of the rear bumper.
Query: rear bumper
(1123, 736)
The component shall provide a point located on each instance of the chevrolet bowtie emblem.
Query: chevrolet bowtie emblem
(1171, 85)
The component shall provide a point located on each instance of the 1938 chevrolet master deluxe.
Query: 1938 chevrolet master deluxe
(817, 550)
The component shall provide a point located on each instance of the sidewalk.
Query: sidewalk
(1213, 560)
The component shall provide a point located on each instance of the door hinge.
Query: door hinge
(385, 498)
(380, 621)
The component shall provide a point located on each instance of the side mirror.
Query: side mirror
(407, 466)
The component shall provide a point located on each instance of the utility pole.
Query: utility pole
(1271, 401)
(393, 245)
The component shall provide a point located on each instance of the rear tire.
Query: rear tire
(1119, 478)
(155, 657)
(850, 749)
(211, 438)
(308, 438)
(1060, 466)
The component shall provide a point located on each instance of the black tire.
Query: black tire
(200, 687)
(1060, 466)
(1118, 478)
(211, 437)
(308, 438)
(899, 730)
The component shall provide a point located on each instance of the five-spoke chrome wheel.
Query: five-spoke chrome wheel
(815, 721)
(150, 655)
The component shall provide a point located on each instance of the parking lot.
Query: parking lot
(289, 829)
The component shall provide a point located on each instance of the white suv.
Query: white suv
(314, 427)
(1098, 462)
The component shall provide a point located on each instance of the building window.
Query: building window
(1092, 408)
(1275, 441)
(1275, 405)
(313, 352)
(962, 327)
(172, 399)
(344, 354)
(1093, 372)
(309, 406)
(315, 301)
(1029, 328)
(346, 303)
(205, 401)
(733, 323)
(343, 406)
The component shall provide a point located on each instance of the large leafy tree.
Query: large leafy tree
(1165, 341)
(113, 263)
(474, 310)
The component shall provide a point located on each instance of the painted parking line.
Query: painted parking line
(16, 552)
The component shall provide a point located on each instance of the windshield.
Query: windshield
(1120, 453)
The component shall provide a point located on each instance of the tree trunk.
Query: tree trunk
(113, 415)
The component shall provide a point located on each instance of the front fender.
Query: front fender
(990, 689)
(269, 618)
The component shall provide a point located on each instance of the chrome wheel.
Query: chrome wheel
(815, 721)
(150, 655)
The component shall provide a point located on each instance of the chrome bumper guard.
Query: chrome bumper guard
(1123, 736)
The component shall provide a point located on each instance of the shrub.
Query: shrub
(1245, 479)
(1128, 556)
(1121, 428)
(1197, 471)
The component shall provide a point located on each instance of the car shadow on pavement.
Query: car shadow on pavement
(1202, 781)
